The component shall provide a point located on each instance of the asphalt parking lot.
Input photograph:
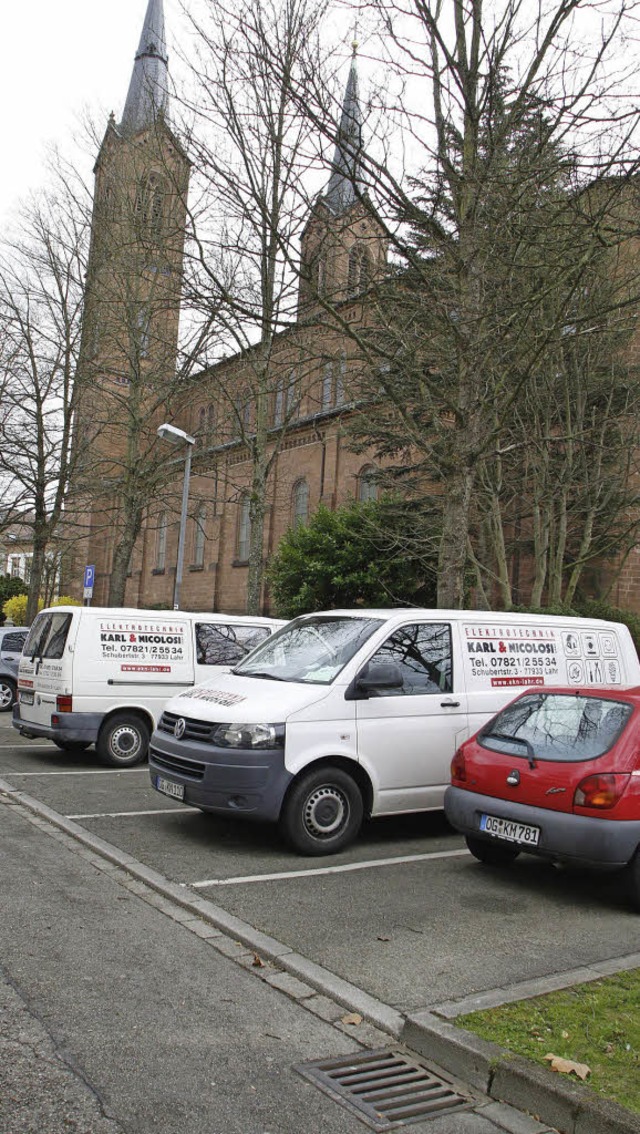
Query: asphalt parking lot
(406, 914)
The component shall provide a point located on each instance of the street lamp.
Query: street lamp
(178, 437)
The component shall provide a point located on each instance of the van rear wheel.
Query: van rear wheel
(123, 740)
(493, 854)
(323, 812)
(7, 694)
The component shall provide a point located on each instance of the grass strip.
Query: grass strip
(596, 1023)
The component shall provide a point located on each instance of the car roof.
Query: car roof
(496, 617)
(630, 693)
(115, 612)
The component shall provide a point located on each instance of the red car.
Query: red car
(556, 774)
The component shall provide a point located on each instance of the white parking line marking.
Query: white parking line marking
(124, 814)
(33, 744)
(329, 869)
(86, 772)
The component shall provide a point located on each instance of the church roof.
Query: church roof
(346, 184)
(148, 90)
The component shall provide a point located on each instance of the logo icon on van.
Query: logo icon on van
(179, 728)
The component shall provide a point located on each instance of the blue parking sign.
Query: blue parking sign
(89, 577)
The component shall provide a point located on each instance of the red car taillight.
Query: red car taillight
(458, 768)
(64, 703)
(602, 790)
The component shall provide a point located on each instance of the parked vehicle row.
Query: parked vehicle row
(359, 712)
(319, 722)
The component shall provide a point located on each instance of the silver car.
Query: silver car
(12, 639)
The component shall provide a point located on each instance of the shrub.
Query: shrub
(16, 609)
(359, 555)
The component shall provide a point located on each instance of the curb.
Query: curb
(569, 1107)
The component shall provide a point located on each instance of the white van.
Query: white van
(354, 712)
(100, 675)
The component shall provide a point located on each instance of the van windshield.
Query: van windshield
(311, 649)
(48, 635)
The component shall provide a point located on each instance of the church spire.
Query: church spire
(346, 183)
(148, 89)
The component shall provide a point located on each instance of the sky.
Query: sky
(59, 59)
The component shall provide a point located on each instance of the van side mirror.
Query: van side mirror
(374, 676)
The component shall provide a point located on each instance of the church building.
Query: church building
(128, 385)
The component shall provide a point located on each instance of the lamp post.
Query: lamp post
(178, 437)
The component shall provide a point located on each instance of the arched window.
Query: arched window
(243, 541)
(199, 535)
(278, 403)
(321, 276)
(367, 484)
(149, 205)
(359, 274)
(211, 420)
(327, 384)
(300, 503)
(201, 420)
(161, 542)
(143, 319)
(292, 405)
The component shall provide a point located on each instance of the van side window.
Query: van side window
(226, 645)
(53, 646)
(13, 643)
(423, 654)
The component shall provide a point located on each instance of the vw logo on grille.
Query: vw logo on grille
(179, 728)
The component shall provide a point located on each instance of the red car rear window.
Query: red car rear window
(556, 726)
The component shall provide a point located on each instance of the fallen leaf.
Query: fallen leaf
(257, 962)
(566, 1066)
(352, 1018)
(565, 1035)
(382, 938)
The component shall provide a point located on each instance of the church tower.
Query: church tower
(343, 247)
(126, 378)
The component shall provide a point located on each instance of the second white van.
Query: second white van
(101, 675)
(359, 712)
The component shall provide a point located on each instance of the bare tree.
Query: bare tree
(251, 148)
(41, 283)
(506, 116)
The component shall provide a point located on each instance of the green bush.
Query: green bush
(359, 555)
(16, 609)
(10, 586)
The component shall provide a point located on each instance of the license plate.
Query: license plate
(167, 787)
(25, 698)
(510, 830)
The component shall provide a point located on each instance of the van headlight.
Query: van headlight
(249, 736)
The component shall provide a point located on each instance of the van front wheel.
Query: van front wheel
(323, 812)
(123, 740)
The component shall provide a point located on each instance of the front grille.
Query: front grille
(194, 730)
(385, 1088)
(178, 764)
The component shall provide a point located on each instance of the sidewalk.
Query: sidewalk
(175, 999)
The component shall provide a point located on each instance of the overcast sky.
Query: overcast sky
(59, 58)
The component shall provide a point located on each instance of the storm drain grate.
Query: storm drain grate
(384, 1088)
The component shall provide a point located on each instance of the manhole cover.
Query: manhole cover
(385, 1088)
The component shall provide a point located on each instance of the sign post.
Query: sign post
(89, 579)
